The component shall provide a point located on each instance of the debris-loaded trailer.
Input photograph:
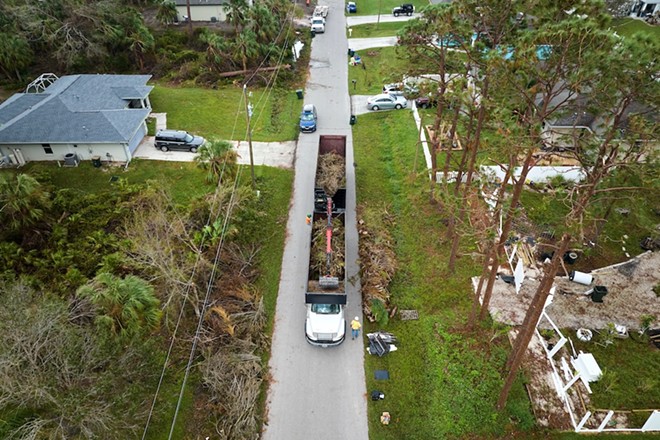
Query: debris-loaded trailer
(325, 297)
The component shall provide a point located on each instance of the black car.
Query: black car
(167, 140)
(404, 9)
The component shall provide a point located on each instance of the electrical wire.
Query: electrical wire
(218, 251)
(189, 284)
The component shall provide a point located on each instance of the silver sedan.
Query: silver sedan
(386, 101)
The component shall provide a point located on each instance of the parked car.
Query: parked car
(426, 101)
(405, 9)
(392, 87)
(308, 118)
(386, 101)
(178, 140)
(351, 7)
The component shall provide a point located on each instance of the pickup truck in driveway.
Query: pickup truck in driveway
(405, 9)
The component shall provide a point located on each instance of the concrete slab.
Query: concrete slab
(272, 154)
(358, 44)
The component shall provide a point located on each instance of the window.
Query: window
(326, 309)
(47, 148)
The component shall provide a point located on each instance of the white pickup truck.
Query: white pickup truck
(321, 11)
(318, 24)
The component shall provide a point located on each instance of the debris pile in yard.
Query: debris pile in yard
(331, 173)
(319, 257)
(377, 258)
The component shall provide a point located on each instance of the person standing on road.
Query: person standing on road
(355, 327)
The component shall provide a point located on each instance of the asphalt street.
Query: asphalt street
(317, 393)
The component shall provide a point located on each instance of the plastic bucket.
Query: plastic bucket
(598, 293)
(570, 257)
(580, 277)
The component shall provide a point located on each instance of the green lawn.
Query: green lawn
(220, 113)
(184, 179)
(371, 7)
(381, 66)
(630, 367)
(373, 30)
(628, 26)
(443, 382)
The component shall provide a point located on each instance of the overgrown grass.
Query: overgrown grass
(372, 7)
(373, 30)
(221, 113)
(443, 382)
(185, 181)
(628, 26)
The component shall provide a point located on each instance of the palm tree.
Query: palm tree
(126, 306)
(219, 159)
(166, 12)
(23, 202)
(15, 54)
(236, 13)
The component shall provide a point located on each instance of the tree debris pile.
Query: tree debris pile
(232, 339)
(318, 259)
(378, 262)
(331, 173)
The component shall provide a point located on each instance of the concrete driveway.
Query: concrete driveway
(384, 18)
(359, 105)
(273, 154)
(369, 43)
(316, 393)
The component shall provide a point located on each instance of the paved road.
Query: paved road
(315, 393)
(355, 20)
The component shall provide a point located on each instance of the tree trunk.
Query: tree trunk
(531, 319)
(506, 228)
(190, 27)
(489, 255)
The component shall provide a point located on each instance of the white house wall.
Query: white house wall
(34, 153)
(203, 13)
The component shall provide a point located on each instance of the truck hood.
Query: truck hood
(325, 323)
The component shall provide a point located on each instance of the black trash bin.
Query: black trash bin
(299, 93)
(96, 161)
(598, 293)
(313, 34)
(353, 119)
(351, 52)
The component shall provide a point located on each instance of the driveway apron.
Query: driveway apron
(318, 393)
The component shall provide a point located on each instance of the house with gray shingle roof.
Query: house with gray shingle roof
(85, 115)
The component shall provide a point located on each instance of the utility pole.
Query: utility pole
(380, 5)
(248, 115)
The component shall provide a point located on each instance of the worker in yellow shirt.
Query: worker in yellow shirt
(355, 327)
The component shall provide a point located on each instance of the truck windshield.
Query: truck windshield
(189, 137)
(325, 309)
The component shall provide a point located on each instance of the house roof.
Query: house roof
(76, 109)
(200, 2)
